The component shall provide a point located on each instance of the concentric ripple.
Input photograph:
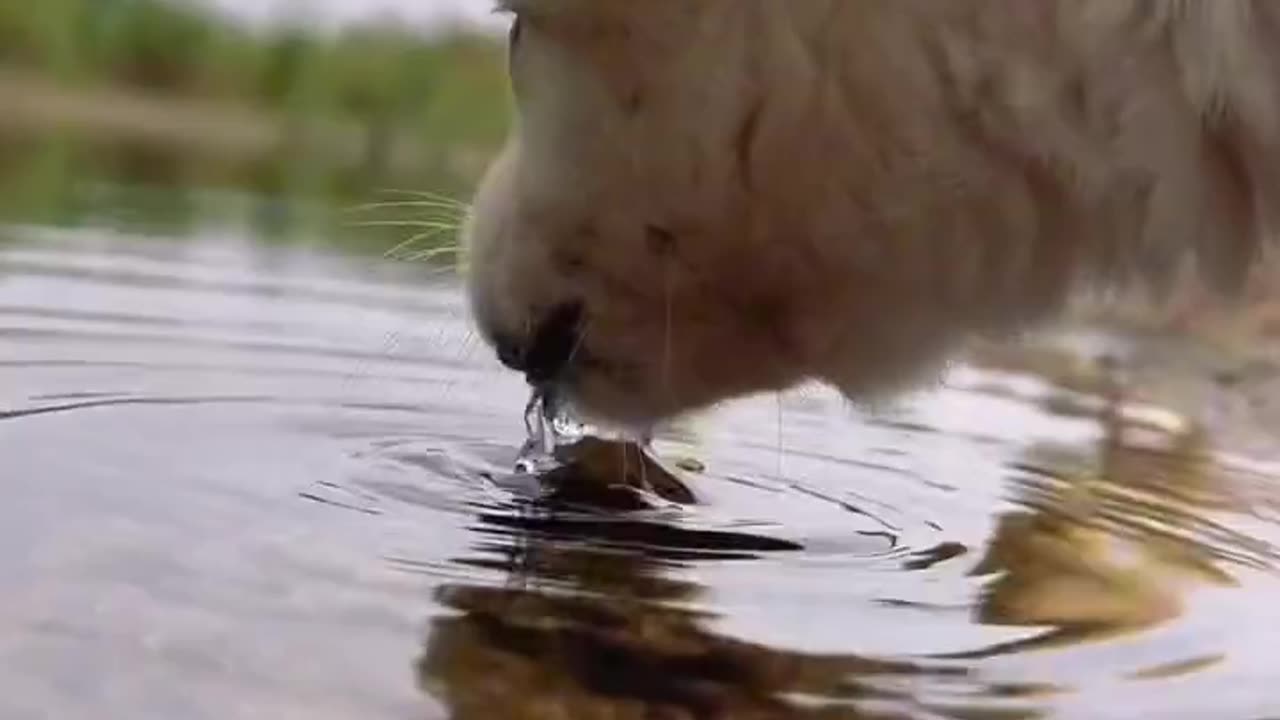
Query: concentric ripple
(244, 480)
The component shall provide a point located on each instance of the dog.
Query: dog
(705, 199)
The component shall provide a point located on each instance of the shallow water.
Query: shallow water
(250, 479)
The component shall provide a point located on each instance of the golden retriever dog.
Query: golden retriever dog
(703, 199)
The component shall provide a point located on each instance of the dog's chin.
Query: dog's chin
(610, 408)
(631, 407)
(643, 399)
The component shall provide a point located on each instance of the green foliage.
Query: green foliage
(443, 90)
(354, 113)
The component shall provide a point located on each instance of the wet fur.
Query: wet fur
(751, 193)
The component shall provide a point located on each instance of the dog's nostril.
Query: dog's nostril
(550, 346)
(509, 351)
(553, 342)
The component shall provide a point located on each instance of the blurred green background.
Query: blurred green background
(156, 112)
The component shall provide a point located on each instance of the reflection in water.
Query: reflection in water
(599, 617)
(582, 630)
(258, 425)
(64, 178)
(1111, 544)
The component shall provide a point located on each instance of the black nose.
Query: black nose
(547, 351)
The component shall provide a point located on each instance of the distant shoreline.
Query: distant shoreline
(228, 131)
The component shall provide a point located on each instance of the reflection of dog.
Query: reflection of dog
(587, 631)
(1098, 553)
(705, 199)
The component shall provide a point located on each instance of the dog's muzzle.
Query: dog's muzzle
(546, 353)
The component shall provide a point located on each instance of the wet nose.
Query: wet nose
(548, 349)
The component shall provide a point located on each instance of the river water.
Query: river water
(252, 478)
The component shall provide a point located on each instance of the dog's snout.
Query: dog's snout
(548, 349)
(510, 351)
(554, 340)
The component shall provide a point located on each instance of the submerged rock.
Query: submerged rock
(611, 473)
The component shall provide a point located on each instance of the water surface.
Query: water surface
(252, 478)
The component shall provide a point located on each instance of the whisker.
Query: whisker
(390, 343)
(444, 270)
(578, 342)
(439, 269)
(622, 463)
(424, 194)
(407, 223)
(467, 349)
(668, 281)
(644, 472)
(430, 254)
(428, 234)
(778, 468)
(427, 204)
(418, 238)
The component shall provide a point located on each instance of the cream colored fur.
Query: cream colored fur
(750, 193)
